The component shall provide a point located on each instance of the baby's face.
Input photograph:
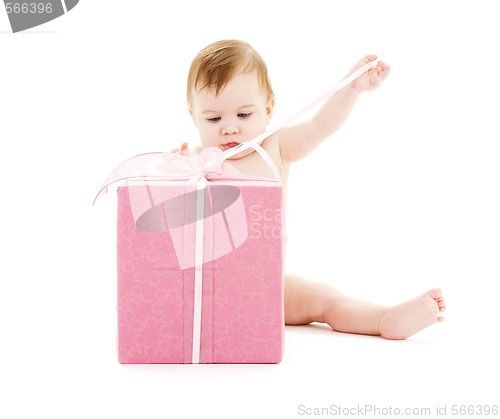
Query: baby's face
(239, 113)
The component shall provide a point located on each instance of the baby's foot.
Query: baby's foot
(408, 318)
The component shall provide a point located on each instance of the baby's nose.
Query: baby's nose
(230, 129)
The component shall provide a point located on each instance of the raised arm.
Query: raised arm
(297, 141)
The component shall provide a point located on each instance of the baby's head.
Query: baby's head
(216, 64)
(229, 94)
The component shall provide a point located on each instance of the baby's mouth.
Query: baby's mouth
(229, 145)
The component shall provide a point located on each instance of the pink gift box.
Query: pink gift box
(200, 271)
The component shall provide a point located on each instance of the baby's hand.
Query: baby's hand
(183, 150)
(373, 78)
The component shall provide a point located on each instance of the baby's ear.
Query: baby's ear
(269, 110)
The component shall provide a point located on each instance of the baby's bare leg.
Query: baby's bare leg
(307, 302)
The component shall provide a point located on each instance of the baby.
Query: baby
(231, 100)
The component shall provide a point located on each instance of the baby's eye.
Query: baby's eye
(244, 115)
(216, 119)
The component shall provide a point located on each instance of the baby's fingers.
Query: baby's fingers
(183, 150)
(368, 58)
(383, 70)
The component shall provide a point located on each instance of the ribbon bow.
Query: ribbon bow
(157, 166)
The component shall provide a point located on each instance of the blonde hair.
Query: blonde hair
(215, 65)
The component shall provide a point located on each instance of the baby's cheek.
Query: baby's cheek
(209, 141)
(206, 137)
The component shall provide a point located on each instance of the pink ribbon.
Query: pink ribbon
(257, 140)
(160, 166)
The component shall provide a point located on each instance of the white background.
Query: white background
(403, 198)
